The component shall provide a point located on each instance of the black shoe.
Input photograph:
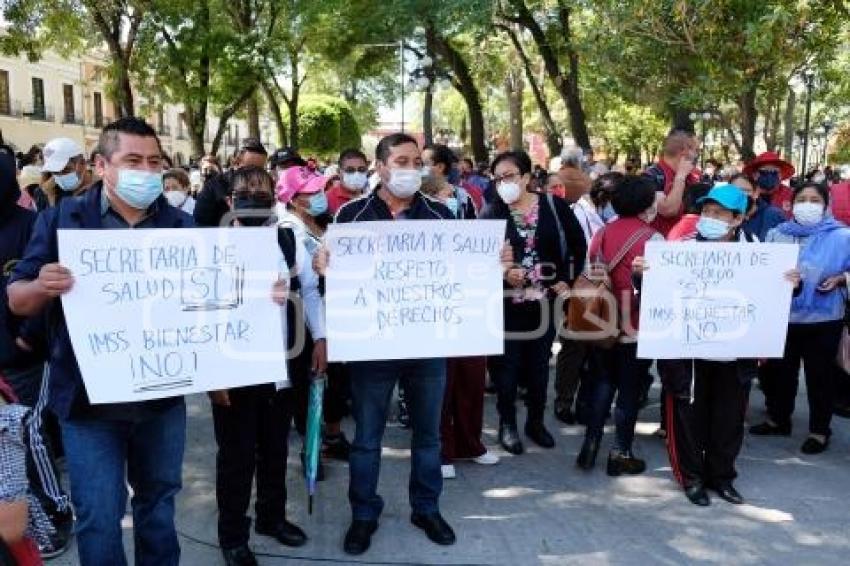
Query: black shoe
(565, 415)
(320, 469)
(538, 433)
(767, 429)
(359, 536)
(337, 447)
(587, 457)
(624, 463)
(697, 495)
(403, 414)
(285, 532)
(437, 529)
(509, 439)
(814, 446)
(727, 492)
(60, 540)
(239, 556)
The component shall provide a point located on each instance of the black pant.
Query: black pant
(527, 354)
(570, 364)
(816, 345)
(705, 436)
(252, 435)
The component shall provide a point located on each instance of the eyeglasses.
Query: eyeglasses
(259, 196)
(361, 169)
(508, 177)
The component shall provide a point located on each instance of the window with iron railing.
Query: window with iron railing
(70, 115)
(38, 109)
(5, 99)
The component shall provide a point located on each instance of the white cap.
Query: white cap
(58, 152)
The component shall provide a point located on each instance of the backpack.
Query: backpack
(592, 313)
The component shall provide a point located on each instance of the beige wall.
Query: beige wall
(86, 76)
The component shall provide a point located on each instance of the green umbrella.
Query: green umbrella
(313, 438)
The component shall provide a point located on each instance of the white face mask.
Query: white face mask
(404, 183)
(176, 198)
(808, 213)
(510, 192)
(355, 181)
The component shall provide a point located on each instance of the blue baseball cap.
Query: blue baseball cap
(728, 196)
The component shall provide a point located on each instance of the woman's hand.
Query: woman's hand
(320, 260)
(320, 356)
(515, 277)
(279, 291)
(794, 277)
(560, 288)
(832, 283)
(221, 397)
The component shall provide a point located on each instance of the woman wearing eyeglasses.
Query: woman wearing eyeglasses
(549, 250)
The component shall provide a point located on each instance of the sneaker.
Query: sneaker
(60, 540)
(487, 459)
(337, 447)
(448, 471)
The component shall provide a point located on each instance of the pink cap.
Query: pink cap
(297, 180)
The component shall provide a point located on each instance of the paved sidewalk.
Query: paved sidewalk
(540, 509)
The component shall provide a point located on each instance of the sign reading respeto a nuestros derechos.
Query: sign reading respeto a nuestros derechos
(414, 289)
(715, 300)
(165, 312)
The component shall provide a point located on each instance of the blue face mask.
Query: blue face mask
(712, 228)
(67, 182)
(768, 180)
(138, 188)
(318, 204)
(608, 212)
(452, 205)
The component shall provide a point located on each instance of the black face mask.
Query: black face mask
(257, 211)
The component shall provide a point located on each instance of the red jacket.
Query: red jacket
(607, 243)
(663, 175)
(839, 201)
(783, 199)
(338, 196)
(685, 229)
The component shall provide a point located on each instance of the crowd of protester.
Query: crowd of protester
(560, 224)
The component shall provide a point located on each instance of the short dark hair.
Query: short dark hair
(442, 154)
(178, 175)
(252, 145)
(469, 162)
(633, 195)
(692, 194)
(821, 188)
(604, 186)
(109, 140)
(518, 158)
(252, 178)
(352, 153)
(382, 152)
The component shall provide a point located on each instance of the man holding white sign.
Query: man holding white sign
(727, 309)
(146, 438)
(373, 375)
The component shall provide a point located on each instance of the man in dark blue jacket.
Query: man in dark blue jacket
(101, 441)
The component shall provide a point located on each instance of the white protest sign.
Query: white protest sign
(164, 312)
(414, 289)
(715, 300)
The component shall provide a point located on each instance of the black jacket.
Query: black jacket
(210, 204)
(15, 230)
(373, 207)
(568, 262)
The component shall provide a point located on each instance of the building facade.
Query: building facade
(60, 96)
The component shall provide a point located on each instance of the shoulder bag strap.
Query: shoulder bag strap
(628, 247)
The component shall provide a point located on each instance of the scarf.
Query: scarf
(796, 230)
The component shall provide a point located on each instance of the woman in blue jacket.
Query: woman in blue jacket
(816, 321)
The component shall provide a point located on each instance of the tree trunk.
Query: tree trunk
(252, 111)
(467, 89)
(772, 132)
(226, 114)
(553, 136)
(428, 116)
(124, 90)
(788, 136)
(749, 115)
(292, 103)
(566, 85)
(277, 115)
(513, 89)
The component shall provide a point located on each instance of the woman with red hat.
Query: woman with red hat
(768, 171)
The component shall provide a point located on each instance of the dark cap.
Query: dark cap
(253, 145)
(286, 157)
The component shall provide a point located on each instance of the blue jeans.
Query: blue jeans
(372, 386)
(97, 452)
(619, 371)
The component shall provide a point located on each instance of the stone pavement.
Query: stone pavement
(540, 509)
